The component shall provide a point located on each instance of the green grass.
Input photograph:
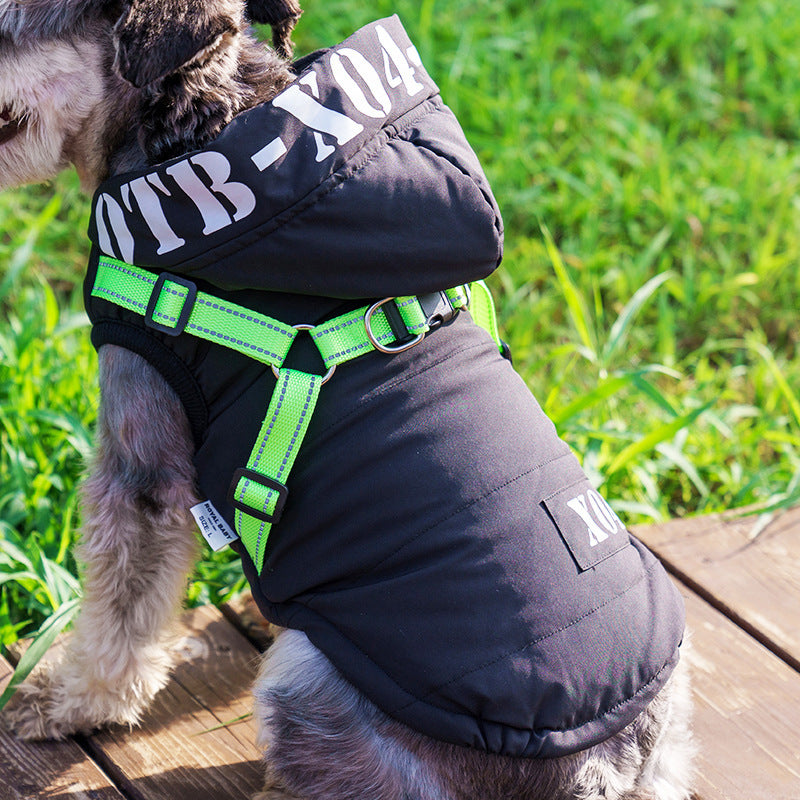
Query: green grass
(47, 407)
(646, 160)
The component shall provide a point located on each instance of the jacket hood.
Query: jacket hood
(355, 181)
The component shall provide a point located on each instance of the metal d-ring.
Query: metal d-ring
(304, 326)
(374, 339)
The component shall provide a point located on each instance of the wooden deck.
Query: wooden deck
(741, 583)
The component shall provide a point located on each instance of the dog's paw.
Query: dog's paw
(55, 705)
(30, 712)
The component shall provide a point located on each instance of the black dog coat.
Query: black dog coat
(440, 543)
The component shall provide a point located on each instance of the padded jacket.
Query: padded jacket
(440, 543)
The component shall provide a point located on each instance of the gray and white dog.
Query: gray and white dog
(109, 86)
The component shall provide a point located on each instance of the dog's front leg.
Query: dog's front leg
(136, 549)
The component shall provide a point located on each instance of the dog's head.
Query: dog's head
(73, 72)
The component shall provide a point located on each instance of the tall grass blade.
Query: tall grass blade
(791, 398)
(608, 387)
(604, 389)
(22, 255)
(574, 303)
(10, 552)
(227, 724)
(41, 643)
(622, 324)
(661, 434)
(652, 250)
(685, 465)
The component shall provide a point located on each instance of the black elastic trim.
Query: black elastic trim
(168, 364)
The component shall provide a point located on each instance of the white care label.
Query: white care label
(215, 530)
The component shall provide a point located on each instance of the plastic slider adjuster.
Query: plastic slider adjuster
(186, 308)
(392, 314)
(437, 308)
(267, 483)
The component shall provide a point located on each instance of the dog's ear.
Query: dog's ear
(154, 38)
(282, 16)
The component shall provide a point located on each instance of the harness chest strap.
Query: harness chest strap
(174, 305)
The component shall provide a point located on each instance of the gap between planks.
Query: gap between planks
(754, 580)
(746, 698)
(180, 752)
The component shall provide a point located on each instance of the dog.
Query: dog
(113, 87)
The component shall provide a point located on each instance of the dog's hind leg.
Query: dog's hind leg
(669, 766)
(136, 549)
(323, 740)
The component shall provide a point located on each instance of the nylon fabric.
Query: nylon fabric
(168, 301)
(482, 309)
(250, 333)
(275, 450)
(438, 543)
(342, 339)
(234, 326)
(237, 215)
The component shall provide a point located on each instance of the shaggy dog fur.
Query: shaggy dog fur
(113, 85)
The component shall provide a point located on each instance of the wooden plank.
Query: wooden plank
(179, 752)
(747, 707)
(47, 769)
(753, 578)
(243, 613)
(175, 754)
(747, 704)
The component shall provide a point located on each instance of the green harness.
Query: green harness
(173, 305)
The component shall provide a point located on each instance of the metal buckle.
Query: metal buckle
(399, 348)
(261, 480)
(186, 309)
(304, 326)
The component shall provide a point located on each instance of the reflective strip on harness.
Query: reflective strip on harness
(481, 307)
(259, 492)
(173, 305)
(255, 335)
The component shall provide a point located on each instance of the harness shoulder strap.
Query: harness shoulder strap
(258, 491)
(174, 305)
